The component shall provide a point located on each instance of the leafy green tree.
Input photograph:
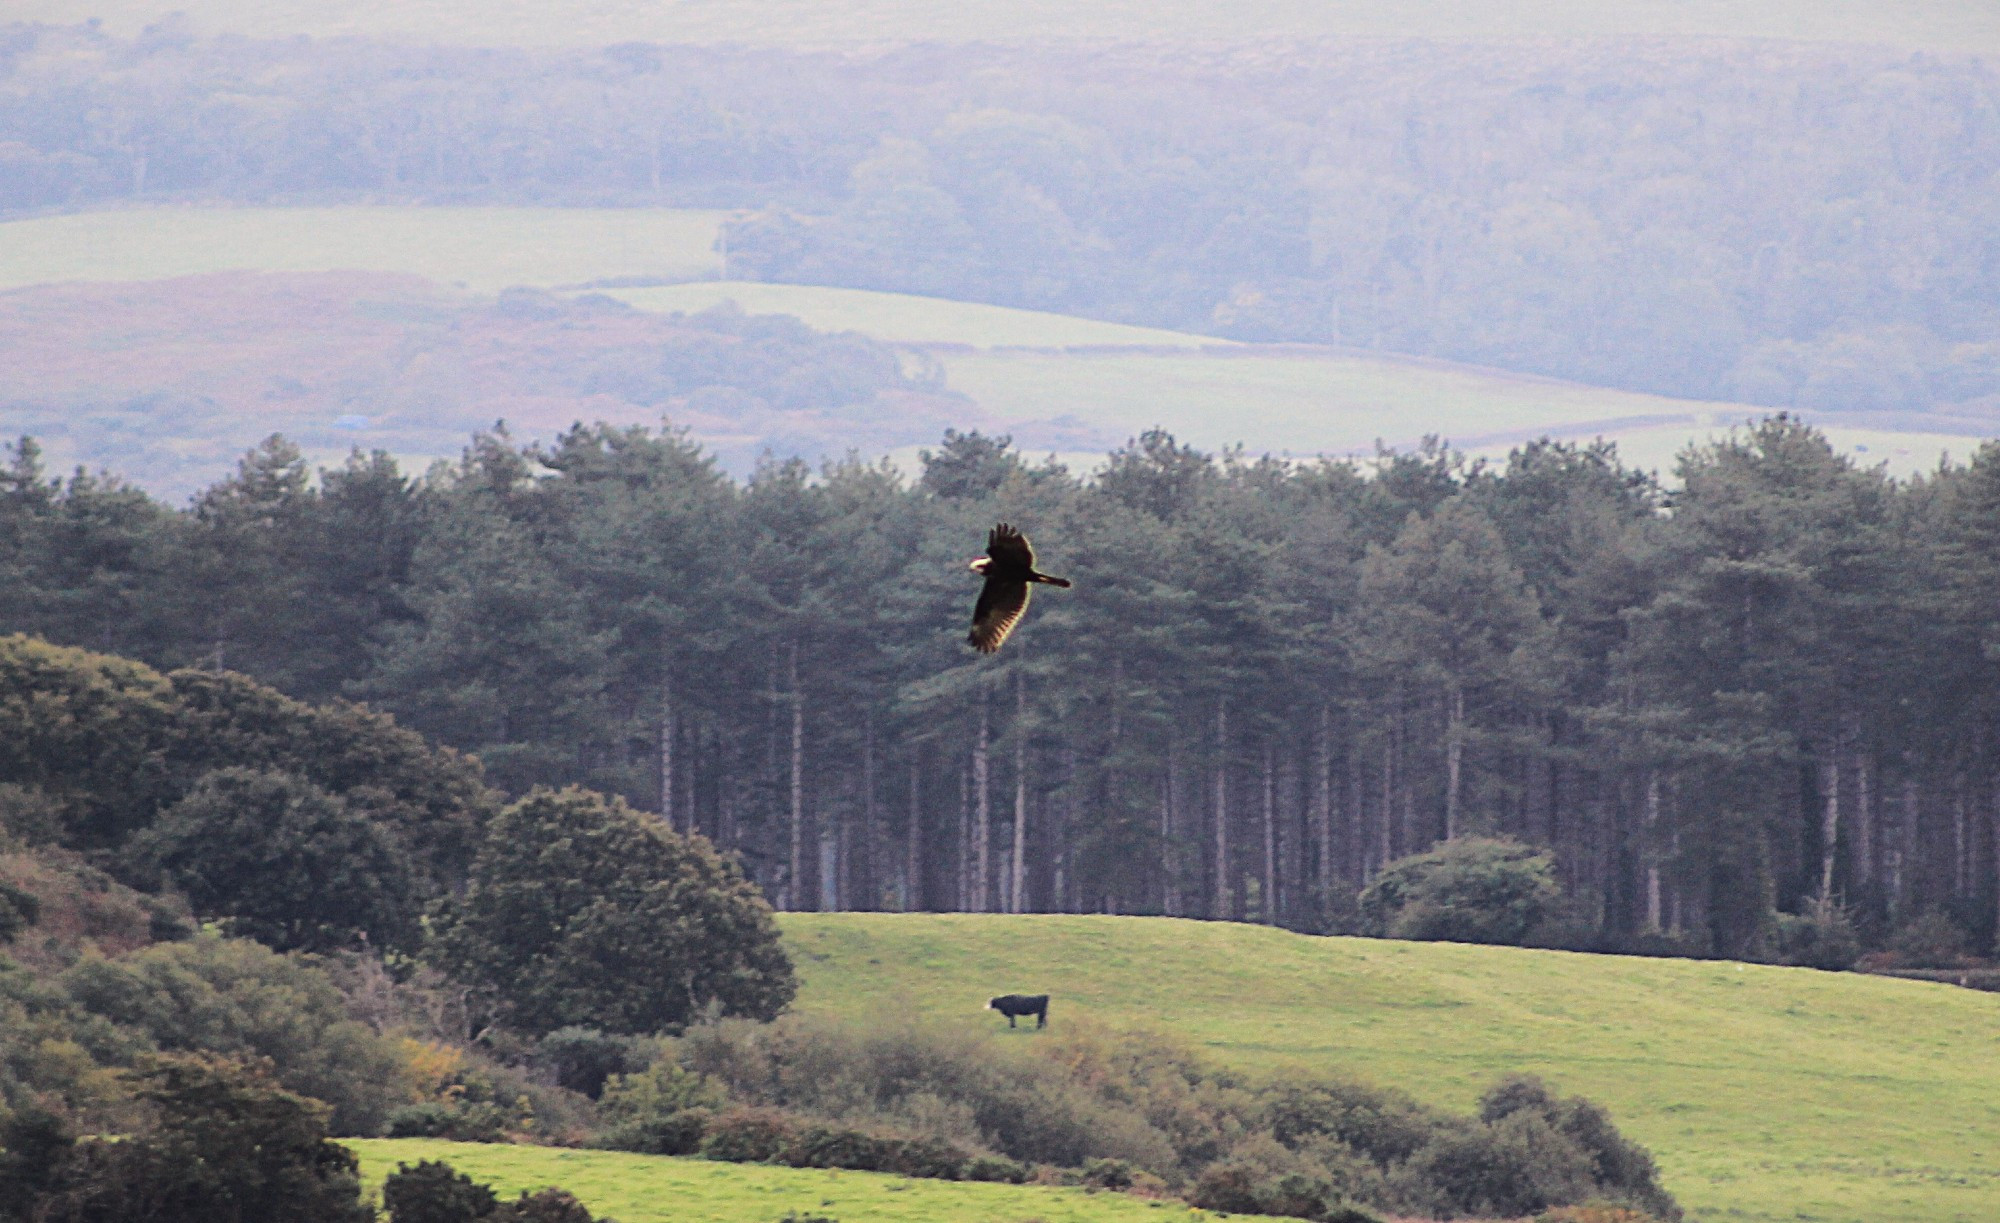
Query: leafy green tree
(284, 861)
(432, 1191)
(1471, 890)
(582, 911)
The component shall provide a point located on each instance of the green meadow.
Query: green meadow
(1765, 1093)
(1935, 25)
(484, 249)
(658, 1189)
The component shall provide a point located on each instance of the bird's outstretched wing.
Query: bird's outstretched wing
(1009, 548)
(1001, 603)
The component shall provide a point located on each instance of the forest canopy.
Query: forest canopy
(1769, 687)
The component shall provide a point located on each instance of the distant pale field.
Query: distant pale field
(480, 248)
(1766, 1094)
(906, 318)
(1064, 386)
(657, 1189)
(1937, 25)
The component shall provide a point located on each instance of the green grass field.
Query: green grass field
(1938, 25)
(656, 1189)
(1765, 1093)
(480, 248)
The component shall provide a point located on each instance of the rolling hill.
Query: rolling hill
(1765, 1093)
(1935, 25)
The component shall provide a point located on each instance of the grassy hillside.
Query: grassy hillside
(655, 1189)
(480, 248)
(1766, 1093)
(1939, 25)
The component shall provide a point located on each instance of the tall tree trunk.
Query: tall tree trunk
(863, 889)
(1651, 843)
(667, 732)
(1224, 909)
(795, 886)
(1270, 913)
(982, 824)
(1864, 821)
(1170, 893)
(1323, 799)
(1017, 884)
(913, 849)
(1454, 757)
(1829, 821)
(962, 902)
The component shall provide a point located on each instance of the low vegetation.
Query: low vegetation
(1761, 1091)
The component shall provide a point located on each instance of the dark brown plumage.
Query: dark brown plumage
(1009, 569)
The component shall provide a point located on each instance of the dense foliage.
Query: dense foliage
(1780, 223)
(581, 911)
(1116, 1111)
(1769, 684)
(225, 1145)
(1471, 890)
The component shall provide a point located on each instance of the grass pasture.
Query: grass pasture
(1765, 1093)
(484, 249)
(658, 1189)
(1934, 25)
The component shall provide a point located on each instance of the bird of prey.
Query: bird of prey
(1009, 569)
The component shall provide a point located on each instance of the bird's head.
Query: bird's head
(979, 564)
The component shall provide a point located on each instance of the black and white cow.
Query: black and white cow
(1021, 1006)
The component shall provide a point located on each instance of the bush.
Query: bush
(822, 1146)
(1930, 940)
(18, 911)
(542, 1206)
(433, 1192)
(1821, 937)
(1107, 1174)
(1472, 890)
(677, 1133)
(456, 1121)
(930, 1158)
(583, 1059)
(748, 1136)
(228, 1144)
(997, 1169)
(1240, 1188)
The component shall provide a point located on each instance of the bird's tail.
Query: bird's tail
(1049, 581)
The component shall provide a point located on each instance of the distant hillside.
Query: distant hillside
(1938, 25)
(477, 248)
(1080, 386)
(1765, 1093)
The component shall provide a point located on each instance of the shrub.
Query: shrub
(228, 1144)
(748, 1136)
(542, 1206)
(1107, 1174)
(582, 1059)
(433, 1192)
(997, 1169)
(457, 1121)
(677, 1133)
(1930, 940)
(1821, 937)
(18, 911)
(930, 1158)
(822, 1146)
(1472, 890)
